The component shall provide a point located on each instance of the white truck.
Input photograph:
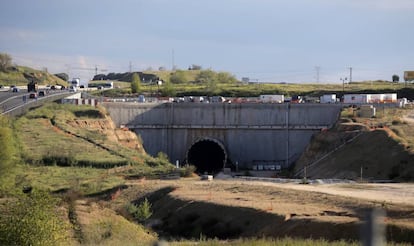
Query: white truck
(272, 98)
(75, 82)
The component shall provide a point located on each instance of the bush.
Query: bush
(141, 212)
(187, 171)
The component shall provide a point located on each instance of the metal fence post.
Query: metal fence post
(373, 228)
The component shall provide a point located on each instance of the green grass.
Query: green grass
(84, 180)
(47, 136)
(17, 78)
(56, 159)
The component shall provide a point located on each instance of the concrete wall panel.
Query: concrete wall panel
(251, 133)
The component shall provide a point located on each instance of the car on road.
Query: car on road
(15, 89)
(42, 93)
(33, 95)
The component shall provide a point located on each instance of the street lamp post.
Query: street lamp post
(343, 87)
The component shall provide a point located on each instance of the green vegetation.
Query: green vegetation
(59, 146)
(207, 82)
(69, 159)
(18, 75)
(135, 84)
(140, 212)
(42, 130)
(32, 219)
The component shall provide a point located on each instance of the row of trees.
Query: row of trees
(210, 79)
(205, 76)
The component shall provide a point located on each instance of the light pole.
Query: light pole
(343, 87)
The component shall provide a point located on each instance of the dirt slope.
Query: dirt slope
(107, 128)
(374, 151)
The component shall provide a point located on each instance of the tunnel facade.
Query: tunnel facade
(207, 155)
(250, 135)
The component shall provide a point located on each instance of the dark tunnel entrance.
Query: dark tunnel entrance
(207, 155)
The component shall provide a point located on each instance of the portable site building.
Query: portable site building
(329, 98)
(357, 98)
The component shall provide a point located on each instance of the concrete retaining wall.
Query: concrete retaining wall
(251, 133)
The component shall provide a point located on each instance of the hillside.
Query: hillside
(368, 146)
(19, 75)
(78, 131)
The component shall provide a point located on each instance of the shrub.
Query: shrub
(187, 171)
(141, 212)
(32, 219)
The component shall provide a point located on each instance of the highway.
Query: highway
(11, 101)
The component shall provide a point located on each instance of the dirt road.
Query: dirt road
(398, 193)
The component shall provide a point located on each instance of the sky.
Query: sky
(295, 41)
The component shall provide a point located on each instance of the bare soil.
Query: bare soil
(227, 209)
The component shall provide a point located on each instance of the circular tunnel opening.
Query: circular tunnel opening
(207, 155)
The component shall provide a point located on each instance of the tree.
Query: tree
(206, 76)
(209, 79)
(32, 219)
(168, 89)
(395, 78)
(5, 62)
(135, 83)
(178, 77)
(224, 77)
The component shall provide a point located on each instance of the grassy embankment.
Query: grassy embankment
(54, 145)
(17, 78)
(80, 164)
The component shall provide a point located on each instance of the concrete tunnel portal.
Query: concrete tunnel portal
(207, 155)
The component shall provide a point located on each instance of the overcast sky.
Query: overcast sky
(265, 40)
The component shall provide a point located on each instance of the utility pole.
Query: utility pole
(130, 66)
(317, 68)
(350, 74)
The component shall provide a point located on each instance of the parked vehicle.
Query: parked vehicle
(217, 99)
(141, 98)
(272, 98)
(297, 99)
(328, 98)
